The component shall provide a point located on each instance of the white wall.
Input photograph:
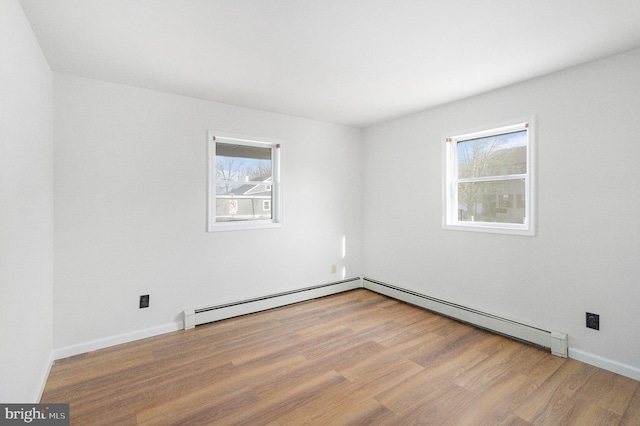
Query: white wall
(130, 211)
(585, 254)
(26, 210)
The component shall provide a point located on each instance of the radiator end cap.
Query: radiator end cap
(189, 319)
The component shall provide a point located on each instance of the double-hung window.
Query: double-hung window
(488, 180)
(244, 182)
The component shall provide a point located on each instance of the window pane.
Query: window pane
(243, 163)
(497, 155)
(243, 182)
(237, 209)
(497, 201)
(243, 201)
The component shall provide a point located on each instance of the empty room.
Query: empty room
(319, 212)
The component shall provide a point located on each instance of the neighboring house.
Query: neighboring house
(246, 202)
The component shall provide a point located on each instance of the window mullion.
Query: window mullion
(492, 178)
(244, 182)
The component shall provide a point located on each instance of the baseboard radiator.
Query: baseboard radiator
(554, 341)
(207, 314)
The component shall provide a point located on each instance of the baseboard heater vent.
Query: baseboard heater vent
(204, 315)
(554, 341)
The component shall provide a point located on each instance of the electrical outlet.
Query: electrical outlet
(593, 321)
(333, 269)
(144, 301)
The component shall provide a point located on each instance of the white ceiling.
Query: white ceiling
(355, 62)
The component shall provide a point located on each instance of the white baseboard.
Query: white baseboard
(605, 363)
(106, 342)
(43, 379)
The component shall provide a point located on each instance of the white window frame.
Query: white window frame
(275, 145)
(450, 180)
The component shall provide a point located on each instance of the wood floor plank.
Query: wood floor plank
(351, 358)
(513, 420)
(490, 370)
(435, 407)
(407, 315)
(82, 368)
(119, 390)
(539, 366)
(494, 403)
(632, 413)
(377, 364)
(312, 339)
(348, 395)
(346, 411)
(424, 329)
(332, 346)
(379, 379)
(272, 407)
(449, 344)
(428, 381)
(586, 413)
(197, 408)
(290, 377)
(609, 391)
(555, 397)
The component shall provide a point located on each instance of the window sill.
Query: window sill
(242, 226)
(491, 228)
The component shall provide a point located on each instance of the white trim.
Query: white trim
(488, 227)
(244, 139)
(44, 378)
(449, 179)
(605, 363)
(276, 182)
(106, 342)
(244, 225)
(514, 126)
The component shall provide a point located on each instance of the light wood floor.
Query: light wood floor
(352, 358)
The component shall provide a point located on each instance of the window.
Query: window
(488, 184)
(244, 182)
